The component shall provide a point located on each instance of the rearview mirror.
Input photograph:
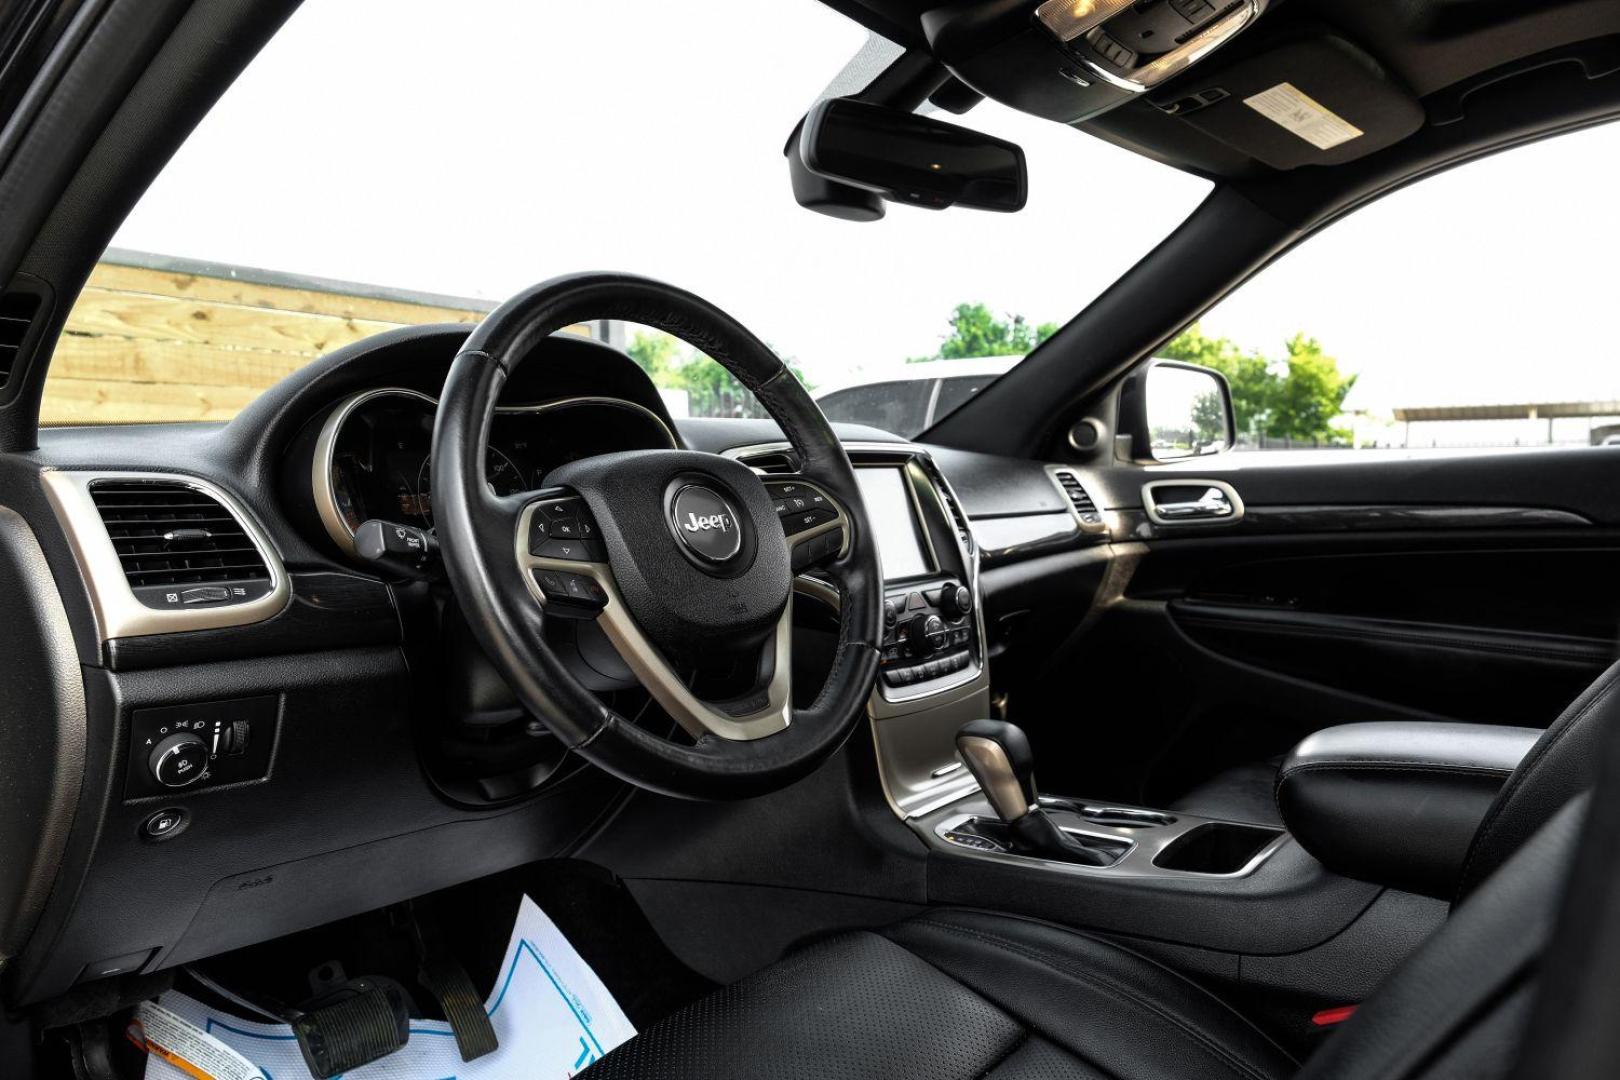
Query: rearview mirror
(1173, 410)
(912, 159)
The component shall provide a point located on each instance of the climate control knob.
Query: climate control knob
(179, 760)
(955, 601)
(925, 635)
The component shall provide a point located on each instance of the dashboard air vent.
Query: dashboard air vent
(1085, 507)
(171, 537)
(1078, 498)
(17, 311)
(963, 532)
(784, 462)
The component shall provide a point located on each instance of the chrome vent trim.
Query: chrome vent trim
(118, 611)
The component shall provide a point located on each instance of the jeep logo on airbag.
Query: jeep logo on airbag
(693, 523)
(706, 523)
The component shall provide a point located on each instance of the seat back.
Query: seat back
(1460, 1006)
(1561, 764)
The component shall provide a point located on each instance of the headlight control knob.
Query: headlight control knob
(179, 760)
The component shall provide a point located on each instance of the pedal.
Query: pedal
(350, 1023)
(443, 976)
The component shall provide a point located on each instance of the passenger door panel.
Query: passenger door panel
(1475, 588)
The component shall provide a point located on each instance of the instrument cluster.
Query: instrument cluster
(374, 456)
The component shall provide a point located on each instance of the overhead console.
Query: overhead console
(1069, 60)
(1295, 92)
(1136, 46)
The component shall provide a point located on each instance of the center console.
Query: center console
(933, 674)
(964, 783)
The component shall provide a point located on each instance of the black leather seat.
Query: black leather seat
(959, 995)
(956, 995)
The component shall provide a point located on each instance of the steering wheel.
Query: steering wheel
(677, 555)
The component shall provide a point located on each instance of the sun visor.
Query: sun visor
(1315, 100)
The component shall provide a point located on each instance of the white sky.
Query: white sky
(473, 149)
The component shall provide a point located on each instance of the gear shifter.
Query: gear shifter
(999, 757)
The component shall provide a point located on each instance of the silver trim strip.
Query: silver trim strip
(118, 613)
(320, 480)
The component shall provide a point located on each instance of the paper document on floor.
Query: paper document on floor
(551, 1013)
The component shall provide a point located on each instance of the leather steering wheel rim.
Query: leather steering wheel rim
(478, 536)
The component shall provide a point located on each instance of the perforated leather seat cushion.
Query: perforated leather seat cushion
(955, 994)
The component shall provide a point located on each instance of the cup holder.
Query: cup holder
(1216, 847)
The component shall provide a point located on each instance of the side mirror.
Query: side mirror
(1171, 410)
(912, 159)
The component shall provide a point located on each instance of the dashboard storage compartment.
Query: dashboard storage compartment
(1218, 847)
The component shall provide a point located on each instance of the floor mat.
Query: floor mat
(551, 1012)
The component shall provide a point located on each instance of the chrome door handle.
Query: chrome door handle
(1211, 504)
(1218, 503)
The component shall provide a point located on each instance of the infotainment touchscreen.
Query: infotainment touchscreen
(888, 507)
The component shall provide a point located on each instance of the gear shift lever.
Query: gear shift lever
(999, 757)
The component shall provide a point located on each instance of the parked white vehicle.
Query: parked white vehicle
(915, 396)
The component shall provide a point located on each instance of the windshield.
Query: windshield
(384, 163)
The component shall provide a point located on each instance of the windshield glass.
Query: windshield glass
(384, 163)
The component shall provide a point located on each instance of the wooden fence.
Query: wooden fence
(158, 340)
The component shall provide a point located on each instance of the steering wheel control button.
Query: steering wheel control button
(539, 532)
(706, 523)
(570, 595)
(164, 824)
(180, 760)
(569, 551)
(563, 529)
(799, 521)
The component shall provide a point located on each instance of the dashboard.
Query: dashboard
(372, 458)
(342, 681)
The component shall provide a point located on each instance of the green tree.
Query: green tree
(1311, 395)
(976, 331)
(659, 355)
(1297, 396)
